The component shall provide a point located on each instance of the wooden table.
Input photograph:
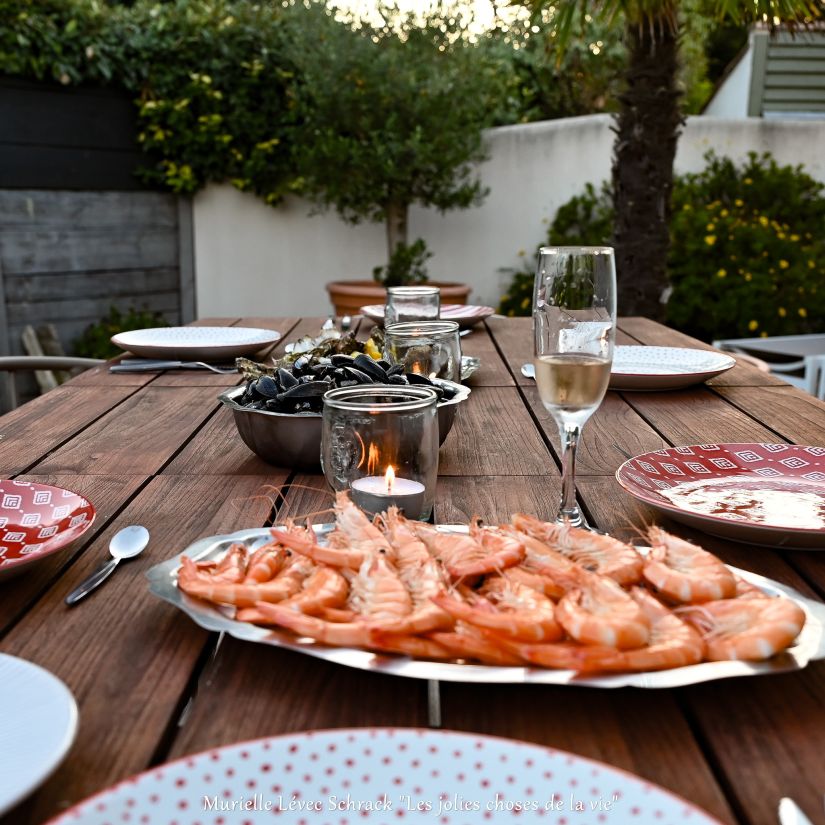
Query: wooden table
(151, 685)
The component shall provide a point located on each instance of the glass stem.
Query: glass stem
(569, 510)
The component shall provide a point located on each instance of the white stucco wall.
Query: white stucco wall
(252, 259)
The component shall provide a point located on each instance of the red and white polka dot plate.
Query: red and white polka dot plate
(771, 494)
(37, 520)
(381, 776)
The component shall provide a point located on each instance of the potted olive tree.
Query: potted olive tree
(391, 115)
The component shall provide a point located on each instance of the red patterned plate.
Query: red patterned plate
(381, 776)
(770, 494)
(37, 520)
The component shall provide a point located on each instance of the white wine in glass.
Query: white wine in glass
(574, 325)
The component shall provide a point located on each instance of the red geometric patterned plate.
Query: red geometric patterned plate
(37, 520)
(381, 776)
(770, 494)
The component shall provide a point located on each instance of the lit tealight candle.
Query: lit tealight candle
(374, 494)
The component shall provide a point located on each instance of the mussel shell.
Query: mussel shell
(395, 369)
(301, 364)
(312, 389)
(358, 375)
(286, 379)
(384, 364)
(398, 379)
(342, 360)
(372, 368)
(417, 378)
(267, 387)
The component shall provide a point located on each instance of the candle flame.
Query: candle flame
(389, 476)
(372, 460)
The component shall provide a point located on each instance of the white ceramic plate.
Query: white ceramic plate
(466, 315)
(38, 721)
(384, 775)
(195, 343)
(665, 368)
(162, 577)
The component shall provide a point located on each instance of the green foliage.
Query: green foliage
(747, 250)
(94, 341)
(407, 265)
(391, 115)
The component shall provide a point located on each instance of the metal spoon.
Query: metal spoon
(528, 371)
(125, 544)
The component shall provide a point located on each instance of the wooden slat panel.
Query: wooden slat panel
(142, 435)
(776, 106)
(36, 428)
(91, 308)
(108, 494)
(812, 82)
(124, 653)
(612, 432)
(76, 249)
(494, 435)
(70, 285)
(640, 731)
(652, 334)
(797, 54)
(36, 208)
(803, 98)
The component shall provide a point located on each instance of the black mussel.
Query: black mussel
(258, 405)
(370, 367)
(398, 379)
(307, 379)
(358, 375)
(446, 392)
(286, 379)
(318, 369)
(396, 369)
(417, 378)
(348, 383)
(384, 364)
(267, 387)
(273, 405)
(301, 364)
(342, 360)
(313, 389)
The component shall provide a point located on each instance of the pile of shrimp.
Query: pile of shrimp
(525, 593)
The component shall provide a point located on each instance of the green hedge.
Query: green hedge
(747, 250)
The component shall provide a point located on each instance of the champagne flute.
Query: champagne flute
(574, 325)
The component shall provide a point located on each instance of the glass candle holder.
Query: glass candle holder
(380, 443)
(431, 348)
(412, 303)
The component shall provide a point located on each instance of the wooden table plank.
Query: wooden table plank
(33, 430)
(126, 655)
(262, 690)
(143, 434)
(493, 372)
(108, 494)
(652, 334)
(494, 434)
(612, 433)
(640, 731)
(697, 416)
(794, 414)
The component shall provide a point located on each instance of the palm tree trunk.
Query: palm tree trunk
(647, 128)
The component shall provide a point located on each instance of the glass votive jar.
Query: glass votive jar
(431, 348)
(412, 303)
(380, 443)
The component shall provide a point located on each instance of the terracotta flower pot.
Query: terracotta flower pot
(349, 296)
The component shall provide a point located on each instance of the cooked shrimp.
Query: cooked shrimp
(543, 561)
(420, 647)
(202, 585)
(593, 551)
(357, 528)
(464, 556)
(747, 629)
(685, 573)
(596, 611)
(232, 567)
(466, 642)
(514, 610)
(672, 643)
(304, 541)
(266, 562)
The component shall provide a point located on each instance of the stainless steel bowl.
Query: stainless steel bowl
(294, 439)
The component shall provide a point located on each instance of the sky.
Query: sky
(483, 11)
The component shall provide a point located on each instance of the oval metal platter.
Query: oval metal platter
(163, 583)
